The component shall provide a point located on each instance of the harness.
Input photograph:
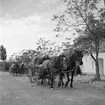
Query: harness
(74, 68)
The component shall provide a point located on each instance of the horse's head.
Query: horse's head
(22, 64)
(78, 57)
(46, 57)
(63, 61)
(41, 59)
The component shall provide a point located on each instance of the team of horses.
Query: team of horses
(17, 69)
(49, 68)
(61, 66)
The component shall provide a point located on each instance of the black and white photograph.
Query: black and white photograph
(52, 52)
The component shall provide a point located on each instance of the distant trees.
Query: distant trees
(3, 53)
(24, 56)
(43, 47)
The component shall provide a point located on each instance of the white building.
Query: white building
(89, 64)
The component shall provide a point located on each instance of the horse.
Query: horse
(51, 68)
(21, 69)
(73, 63)
(11, 69)
(36, 63)
(30, 68)
(14, 69)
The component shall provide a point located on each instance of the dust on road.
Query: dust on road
(15, 90)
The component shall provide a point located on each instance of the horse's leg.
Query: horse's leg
(52, 80)
(49, 80)
(18, 72)
(72, 75)
(21, 72)
(14, 73)
(60, 80)
(68, 79)
(42, 75)
(42, 79)
(59, 84)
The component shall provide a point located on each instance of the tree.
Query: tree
(3, 53)
(67, 45)
(24, 56)
(87, 19)
(47, 47)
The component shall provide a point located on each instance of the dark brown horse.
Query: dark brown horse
(14, 69)
(21, 68)
(73, 61)
(52, 67)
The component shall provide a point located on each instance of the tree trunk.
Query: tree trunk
(97, 76)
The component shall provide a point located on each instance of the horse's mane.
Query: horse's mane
(56, 61)
(70, 58)
(39, 59)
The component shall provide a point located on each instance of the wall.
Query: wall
(89, 64)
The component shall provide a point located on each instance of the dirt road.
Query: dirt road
(15, 90)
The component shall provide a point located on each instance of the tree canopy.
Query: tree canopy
(47, 47)
(3, 53)
(87, 19)
(24, 56)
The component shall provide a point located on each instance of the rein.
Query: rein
(74, 68)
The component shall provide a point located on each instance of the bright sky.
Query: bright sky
(23, 22)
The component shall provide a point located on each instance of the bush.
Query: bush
(7, 66)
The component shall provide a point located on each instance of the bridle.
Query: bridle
(63, 62)
(77, 63)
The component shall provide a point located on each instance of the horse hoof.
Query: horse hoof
(32, 85)
(72, 88)
(52, 88)
(49, 87)
(42, 86)
(36, 85)
(58, 88)
(65, 86)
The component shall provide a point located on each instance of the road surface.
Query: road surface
(17, 90)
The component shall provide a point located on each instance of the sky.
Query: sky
(23, 22)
